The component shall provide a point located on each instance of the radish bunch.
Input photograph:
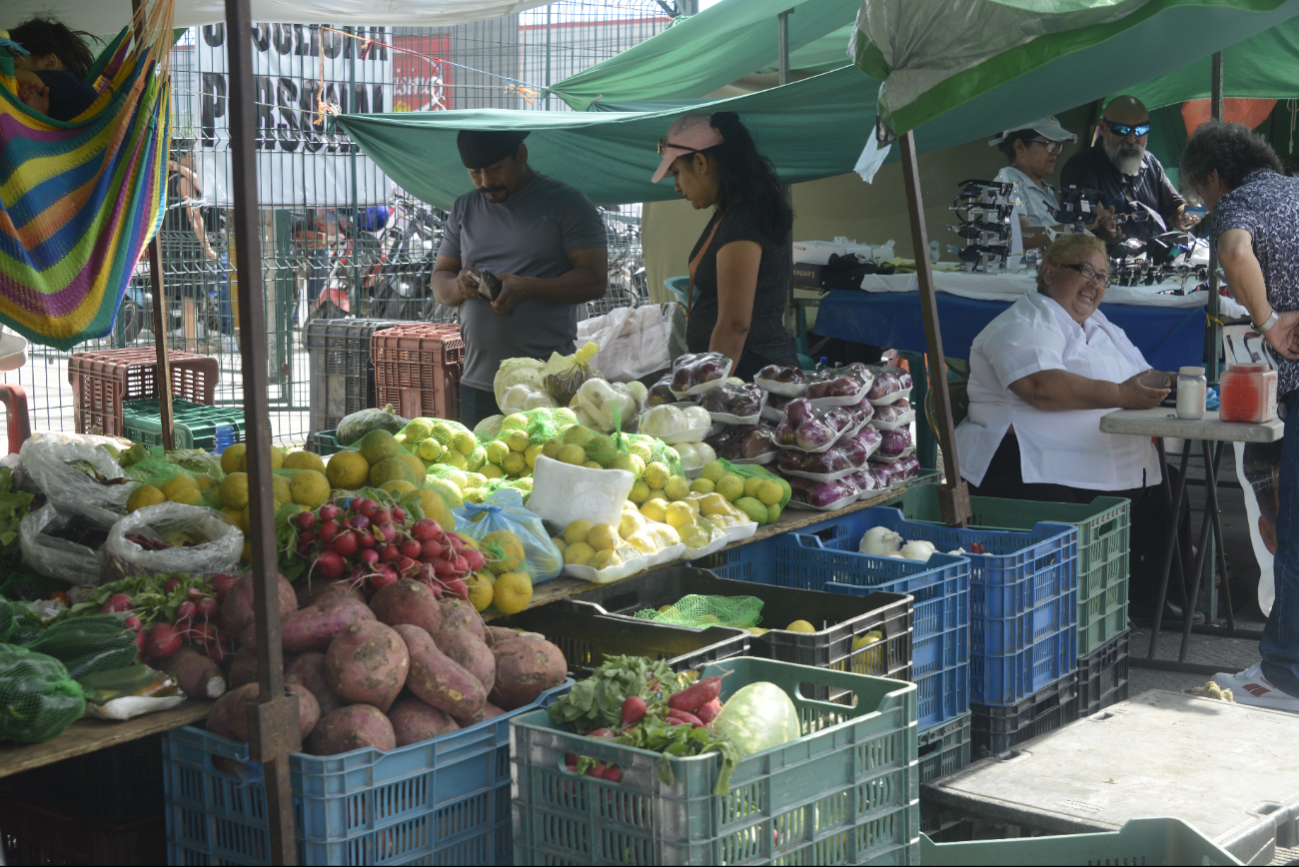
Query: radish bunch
(371, 545)
(167, 612)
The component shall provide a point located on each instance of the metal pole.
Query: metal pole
(782, 59)
(273, 717)
(548, 11)
(1215, 300)
(954, 495)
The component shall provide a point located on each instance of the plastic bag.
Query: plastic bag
(85, 645)
(894, 416)
(518, 371)
(611, 405)
(848, 455)
(676, 423)
(824, 496)
(817, 430)
(745, 444)
(754, 471)
(736, 402)
(564, 374)
(840, 386)
(48, 458)
(891, 385)
(56, 557)
(39, 698)
(520, 398)
(633, 341)
(503, 512)
(217, 544)
(782, 381)
(894, 445)
(695, 374)
(563, 493)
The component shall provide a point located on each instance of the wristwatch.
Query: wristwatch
(1267, 323)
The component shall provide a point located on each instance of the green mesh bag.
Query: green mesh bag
(84, 645)
(38, 698)
(757, 471)
(6, 620)
(700, 612)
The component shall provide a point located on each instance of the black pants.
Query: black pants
(476, 405)
(1147, 535)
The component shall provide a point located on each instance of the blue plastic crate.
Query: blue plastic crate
(443, 801)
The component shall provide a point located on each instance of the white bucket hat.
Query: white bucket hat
(1047, 127)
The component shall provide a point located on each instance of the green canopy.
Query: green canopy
(1265, 66)
(699, 54)
(810, 129)
(969, 60)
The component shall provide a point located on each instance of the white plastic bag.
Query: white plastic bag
(54, 557)
(220, 553)
(633, 341)
(562, 493)
(46, 458)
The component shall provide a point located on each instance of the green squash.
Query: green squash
(355, 426)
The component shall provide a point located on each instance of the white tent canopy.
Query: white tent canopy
(110, 16)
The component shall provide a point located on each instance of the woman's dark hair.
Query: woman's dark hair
(1007, 147)
(747, 175)
(1231, 148)
(42, 36)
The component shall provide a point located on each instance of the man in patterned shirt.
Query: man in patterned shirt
(1255, 213)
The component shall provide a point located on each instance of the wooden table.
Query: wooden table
(1212, 433)
(87, 735)
(789, 521)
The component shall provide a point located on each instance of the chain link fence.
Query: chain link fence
(339, 239)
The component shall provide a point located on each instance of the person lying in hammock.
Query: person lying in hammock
(51, 74)
(56, 94)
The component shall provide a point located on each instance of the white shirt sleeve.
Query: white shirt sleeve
(1024, 346)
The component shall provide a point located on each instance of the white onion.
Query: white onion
(880, 542)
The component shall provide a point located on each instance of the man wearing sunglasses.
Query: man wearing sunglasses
(1132, 180)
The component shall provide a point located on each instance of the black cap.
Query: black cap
(482, 148)
(70, 94)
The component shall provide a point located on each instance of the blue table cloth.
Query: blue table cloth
(1169, 337)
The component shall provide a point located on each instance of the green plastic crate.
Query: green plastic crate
(1102, 550)
(194, 425)
(325, 443)
(843, 793)
(1139, 841)
(942, 750)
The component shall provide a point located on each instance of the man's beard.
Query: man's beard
(1127, 164)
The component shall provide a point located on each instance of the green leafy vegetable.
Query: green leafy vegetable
(680, 741)
(152, 603)
(597, 701)
(13, 508)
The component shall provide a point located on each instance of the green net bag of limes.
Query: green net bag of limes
(741, 612)
(758, 492)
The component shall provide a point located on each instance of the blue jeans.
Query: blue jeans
(1280, 644)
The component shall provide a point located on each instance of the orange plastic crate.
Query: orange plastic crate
(102, 381)
(417, 369)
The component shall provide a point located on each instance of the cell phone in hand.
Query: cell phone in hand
(489, 285)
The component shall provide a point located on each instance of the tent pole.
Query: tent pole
(156, 294)
(782, 60)
(273, 716)
(954, 496)
(1215, 300)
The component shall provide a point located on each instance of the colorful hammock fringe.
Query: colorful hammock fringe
(80, 200)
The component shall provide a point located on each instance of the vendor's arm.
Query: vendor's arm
(737, 284)
(1057, 390)
(187, 186)
(1245, 277)
(585, 281)
(452, 285)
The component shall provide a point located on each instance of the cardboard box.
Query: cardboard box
(808, 275)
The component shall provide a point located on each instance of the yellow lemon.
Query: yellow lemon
(573, 454)
(602, 538)
(453, 458)
(232, 459)
(277, 459)
(514, 421)
(517, 440)
(639, 493)
(654, 509)
(773, 513)
(577, 531)
(429, 450)
(493, 471)
(656, 474)
(731, 487)
(593, 465)
(560, 543)
(512, 592)
(677, 488)
(712, 471)
(604, 560)
(800, 626)
(868, 639)
(435, 506)
(701, 486)
(480, 591)
(756, 630)
(751, 486)
(678, 515)
(282, 492)
(204, 482)
(643, 452)
(629, 462)
(514, 464)
(144, 495)
(178, 482)
(632, 522)
(304, 460)
(476, 458)
(464, 442)
(234, 491)
(188, 496)
(531, 455)
(551, 449)
(657, 494)
(578, 554)
(446, 489)
(236, 516)
(770, 492)
(496, 451)
(347, 470)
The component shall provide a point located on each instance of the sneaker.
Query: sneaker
(1252, 688)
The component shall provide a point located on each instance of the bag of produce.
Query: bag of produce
(172, 537)
(700, 612)
(840, 386)
(565, 492)
(745, 444)
(88, 644)
(633, 341)
(736, 402)
(676, 423)
(511, 535)
(764, 494)
(38, 697)
(528, 372)
(77, 476)
(612, 406)
(355, 426)
(48, 541)
(781, 381)
(6, 619)
(695, 374)
(810, 429)
(521, 398)
(565, 374)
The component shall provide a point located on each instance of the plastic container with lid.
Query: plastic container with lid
(1248, 394)
(1192, 388)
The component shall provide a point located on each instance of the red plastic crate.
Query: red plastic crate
(417, 369)
(35, 835)
(102, 381)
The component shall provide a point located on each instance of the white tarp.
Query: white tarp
(110, 16)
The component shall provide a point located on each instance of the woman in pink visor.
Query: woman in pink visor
(741, 264)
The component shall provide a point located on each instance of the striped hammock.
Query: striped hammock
(79, 200)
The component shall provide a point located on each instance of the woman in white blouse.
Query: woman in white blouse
(1041, 376)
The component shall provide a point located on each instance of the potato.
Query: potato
(471, 653)
(525, 668)
(414, 721)
(408, 601)
(315, 627)
(308, 669)
(237, 609)
(351, 728)
(367, 663)
(243, 668)
(458, 614)
(437, 679)
(197, 675)
(489, 711)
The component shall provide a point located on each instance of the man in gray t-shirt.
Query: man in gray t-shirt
(542, 239)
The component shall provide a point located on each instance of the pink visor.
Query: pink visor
(690, 134)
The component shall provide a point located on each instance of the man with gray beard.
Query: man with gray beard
(1131, 180)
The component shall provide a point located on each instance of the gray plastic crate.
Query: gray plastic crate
(1227, 770)
(342, 374)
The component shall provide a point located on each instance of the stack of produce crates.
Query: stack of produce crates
(1103, 676)
(843, 793)
(417, 369)
(103, 381)
(342, 373)
(825, 557)
(1140, 841)
(193, 425)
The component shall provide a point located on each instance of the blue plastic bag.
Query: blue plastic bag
(504, 510)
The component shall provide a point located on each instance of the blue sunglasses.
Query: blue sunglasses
(1123, 129)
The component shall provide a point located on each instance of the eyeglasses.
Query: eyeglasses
(1090, 273)
(1052, 147)
(664, 145)
(1123, 129)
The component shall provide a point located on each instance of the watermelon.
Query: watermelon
(758, 717)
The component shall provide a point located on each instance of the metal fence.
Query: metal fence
(338, 237)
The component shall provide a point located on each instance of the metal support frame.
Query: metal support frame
(782, 77)
(273, 716)
(953, 494)
(1215, 300)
